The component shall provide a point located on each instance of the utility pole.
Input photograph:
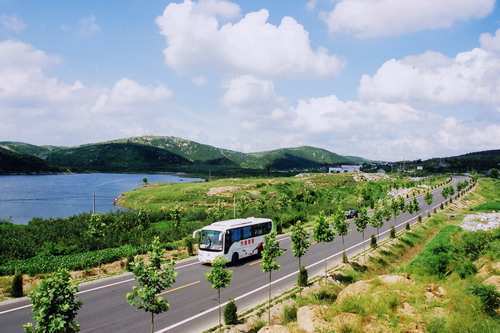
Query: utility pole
(234, 205)
(93, 205)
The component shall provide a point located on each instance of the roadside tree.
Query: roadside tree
(429, 198)
(341, 227)
(362, 221)
(270, 253)
(55, 305)
(220, 278)
(300, 245)
(152, 278)
(322, 233)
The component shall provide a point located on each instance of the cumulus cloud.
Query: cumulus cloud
(490, 42)
(36, 106)
(381, 130)
(469, 77)
(206, 35)
(380, 18)
(12, 23)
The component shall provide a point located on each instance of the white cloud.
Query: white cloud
(470, 77)
(38, 107)
(12, 23)
(381, 130)
(379, 18)
(202, 38)
(87, 26)
(490, 42)
(249, 93)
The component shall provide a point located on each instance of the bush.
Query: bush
(345, 260)
(231, 313)
(488, 295)
(17, 285)
(302, 280)
(407, 226)
(373, 242)
(393, 232)
(188, 242)
(289, 313)
(130, 260)
(465, 268)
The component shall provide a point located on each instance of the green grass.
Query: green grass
(489, 190)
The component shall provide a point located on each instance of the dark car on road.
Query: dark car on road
(351, 213)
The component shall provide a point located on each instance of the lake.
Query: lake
(25, 197)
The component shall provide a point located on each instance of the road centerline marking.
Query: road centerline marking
(179, 288)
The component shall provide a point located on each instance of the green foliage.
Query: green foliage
(373, 242)
(12, 162)
(231, 313)
(300, 239)
(270, 253)
(16, 289)
(340, 223)
(494, 173)
(218, 276)
(48, 264)
(289, 314)
(55, 305)
(488, 295)
(393, 232)
(189, 243)
(152, 278)
(322, 231)
(429, 198)
(303, 277)
(362, 220)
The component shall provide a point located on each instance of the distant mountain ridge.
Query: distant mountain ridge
(168, 153)
(12, 162)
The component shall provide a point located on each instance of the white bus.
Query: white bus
(232, 239)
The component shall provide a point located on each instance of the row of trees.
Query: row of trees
(55, 304)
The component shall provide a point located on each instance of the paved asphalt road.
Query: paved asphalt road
(193, 302)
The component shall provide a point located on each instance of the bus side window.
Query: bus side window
(268, 227)
(247, 232)
(236, 235)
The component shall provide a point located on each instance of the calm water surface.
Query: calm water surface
(25, 197)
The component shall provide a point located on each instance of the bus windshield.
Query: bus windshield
(210, 240)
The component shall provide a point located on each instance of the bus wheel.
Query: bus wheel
(234, 259)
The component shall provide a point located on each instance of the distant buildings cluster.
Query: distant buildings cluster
(344, 168)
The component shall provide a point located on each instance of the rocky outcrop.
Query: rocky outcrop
(494, 281)
(309, 318)
(354, 289)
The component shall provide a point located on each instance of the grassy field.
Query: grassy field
(489, 191)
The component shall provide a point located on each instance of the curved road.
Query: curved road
(193, 303)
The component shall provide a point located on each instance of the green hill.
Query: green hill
(299, 158)
(159, 153)
(28, 149)
(116, 157)
(480, 161)
(12, 162)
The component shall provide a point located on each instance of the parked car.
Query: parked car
(351, 213)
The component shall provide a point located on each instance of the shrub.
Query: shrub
(326, 294)
(393, 232)
(488, 295)
(130, 260)
(302, 279)
(373, 242)
(407, 226)
(231, 313)
(345, 260)
(465, 268)
(188, 242)
(17, 285)
(257, 326)
(289, 313)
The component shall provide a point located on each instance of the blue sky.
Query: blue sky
(104, 75)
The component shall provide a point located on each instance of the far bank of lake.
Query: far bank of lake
(23, 197)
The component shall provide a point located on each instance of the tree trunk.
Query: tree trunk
(269, 307)
(364, 247)
(152, 322)
(220, 326)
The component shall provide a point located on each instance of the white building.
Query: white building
(344, 168)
